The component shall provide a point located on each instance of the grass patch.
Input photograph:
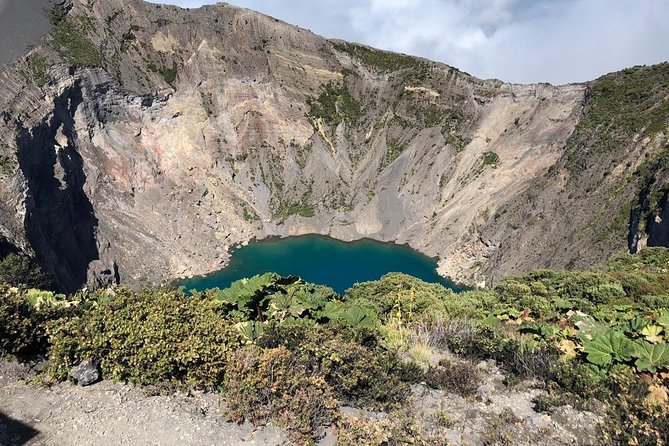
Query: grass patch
(301, 209)
(37, 66)
(394, 149)
(6, 164)
(74, 47)
(168, 74)
(250, 215)
(377, 59)
(335, 105)
(490, 159)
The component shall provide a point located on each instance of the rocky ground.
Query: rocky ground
(503, 415)
(116, 414)
(113, 414)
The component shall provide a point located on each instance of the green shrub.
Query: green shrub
(378, 59)
(350, 360)
(605, 293)
(169, 74)
(301, 209)
(490, 159)
(654, 260)
(22, 325)
(157, 338)
(17, 323)
(17, 270)
(335, 105)
(37, 69)
(411, 298)
(74, 47)
(579, 379)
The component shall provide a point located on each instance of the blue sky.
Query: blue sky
(557, 41)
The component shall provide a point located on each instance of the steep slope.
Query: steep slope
(608, 190)
(140, 141)
(22, 23)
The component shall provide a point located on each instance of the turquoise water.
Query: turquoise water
(322, 260)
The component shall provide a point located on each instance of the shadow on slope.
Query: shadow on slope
(15, 433)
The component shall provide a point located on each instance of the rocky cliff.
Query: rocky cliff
(140, 141)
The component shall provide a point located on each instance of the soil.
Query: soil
(114, 414)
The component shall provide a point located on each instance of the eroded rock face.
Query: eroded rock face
(204, 128)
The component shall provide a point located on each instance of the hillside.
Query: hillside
(140, 141)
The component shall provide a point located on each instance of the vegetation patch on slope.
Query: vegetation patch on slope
(70, 43)
(335, 105)
(619, 106)
(377, 59)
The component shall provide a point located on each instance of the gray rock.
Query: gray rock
(100, 275)
(86, 373)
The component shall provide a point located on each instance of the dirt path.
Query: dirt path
(114, 414)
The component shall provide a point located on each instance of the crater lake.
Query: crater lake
(322, 260)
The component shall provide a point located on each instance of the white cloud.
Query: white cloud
(555, 41)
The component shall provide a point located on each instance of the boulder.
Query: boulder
(86, 373)
(101, 275)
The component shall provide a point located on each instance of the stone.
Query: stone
(86, 373)
(100, 275)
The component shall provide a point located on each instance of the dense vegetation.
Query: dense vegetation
(619, 106)
(69, 41)
(284, 350)
(378, 59)
(335, 105)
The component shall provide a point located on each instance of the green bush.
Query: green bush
(17, 270)
(400, 295)
(654, 260)
(17, 324)
(158, 338)
(350, 360)
(69, 42)
(490, 159)
(579, 379)
(335, 105)
(378, 59)
(23, 325)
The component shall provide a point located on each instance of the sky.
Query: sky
(523, 41)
